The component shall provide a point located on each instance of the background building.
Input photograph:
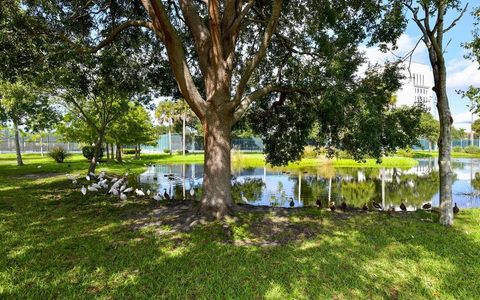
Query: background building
(417, 87)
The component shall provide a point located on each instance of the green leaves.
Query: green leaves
(26, 105)
(351, 115)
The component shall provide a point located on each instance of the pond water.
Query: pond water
(284, 187)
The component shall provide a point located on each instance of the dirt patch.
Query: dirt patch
(251, 225)
(179, 216)
(259, 226)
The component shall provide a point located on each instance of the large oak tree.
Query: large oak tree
(226, 55)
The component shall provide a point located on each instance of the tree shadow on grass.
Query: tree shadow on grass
(77, 247)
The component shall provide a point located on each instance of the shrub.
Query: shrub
(166, 150)
(59, 154)
(180, 152)
(457, 149)
(310, 152)
(472, 149)
(405, 152)
(341, 154)
(89, 151)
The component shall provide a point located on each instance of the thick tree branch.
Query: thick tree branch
(215, 31)
(245, 103)
(262, 50)
(176, 56)
(115, 31)
(201, 35)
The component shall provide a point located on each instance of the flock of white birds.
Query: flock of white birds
(117, 187)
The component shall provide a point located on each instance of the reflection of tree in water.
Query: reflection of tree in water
(250, 187)
(422, 190)
(358, 193)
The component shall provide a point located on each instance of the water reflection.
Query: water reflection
(356, 186)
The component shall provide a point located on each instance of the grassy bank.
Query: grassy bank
(57, 243)
(77, 162)
(426, 154)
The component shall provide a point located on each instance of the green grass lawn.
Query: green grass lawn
(56, 243)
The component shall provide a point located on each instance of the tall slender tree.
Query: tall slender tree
(429, 16)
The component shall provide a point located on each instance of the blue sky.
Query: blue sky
(461, 72)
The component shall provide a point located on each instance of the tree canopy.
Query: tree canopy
(297, 59)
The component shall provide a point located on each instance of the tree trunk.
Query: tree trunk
(183, 135)
(217, 197)
(107, 151)
(444, 145)
(17, 145)
(41, 145)
(119, 153)
(112, 156)
(96, 156)
(170, 139)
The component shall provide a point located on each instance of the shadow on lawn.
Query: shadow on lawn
(70, 246)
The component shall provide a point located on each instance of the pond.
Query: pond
(282, 187)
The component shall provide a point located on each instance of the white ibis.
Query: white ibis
(123, 197)
(244, 199)
(128, 190)
(192, 191)
(83, 190)
(87, 178)
(148, 192)
(139, 193)
(92, 189)
(123, 187)
(157, 197)
(114, 179)
(115, 192)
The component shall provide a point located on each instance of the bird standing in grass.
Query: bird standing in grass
(456, 210)
(365, 207)
(292, 203)
(376, 205)
(427, 206)
(403, 207)
(343, 205)
(244, 199)
(192, 192)
(332, 206)
(319, 203)
(166, 195)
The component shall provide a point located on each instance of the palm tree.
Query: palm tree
(169, 112)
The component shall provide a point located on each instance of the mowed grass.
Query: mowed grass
(56, 243)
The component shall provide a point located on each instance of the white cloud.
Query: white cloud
(405, 44)
(462, 73)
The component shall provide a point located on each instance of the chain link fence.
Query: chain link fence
(195, 144)
(28, 144)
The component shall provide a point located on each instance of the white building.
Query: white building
(417, 87)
